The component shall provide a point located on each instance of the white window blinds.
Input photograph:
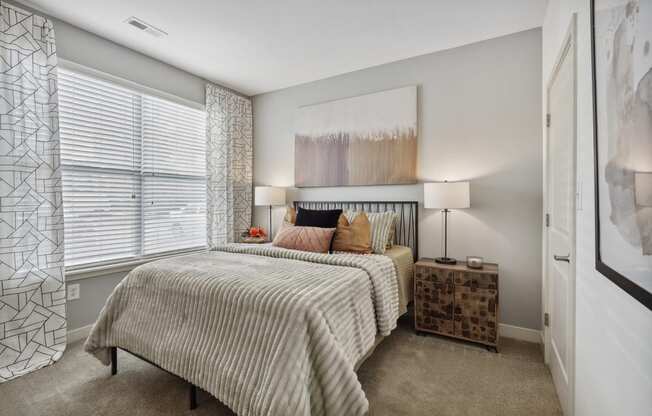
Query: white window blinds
(174, 165)
(133, 172)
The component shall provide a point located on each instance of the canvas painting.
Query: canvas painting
(365, 140)
(622, 41)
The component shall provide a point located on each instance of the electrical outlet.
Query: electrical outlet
(73, 291)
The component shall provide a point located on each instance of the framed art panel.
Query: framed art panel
(622, 116)
(366, 140)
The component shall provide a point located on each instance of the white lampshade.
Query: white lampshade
(269, 195)
(446, 195)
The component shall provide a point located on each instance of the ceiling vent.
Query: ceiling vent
(145, 27)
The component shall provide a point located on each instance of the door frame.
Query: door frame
(568, 48)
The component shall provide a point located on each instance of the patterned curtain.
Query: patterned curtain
(32, 290)
(229, 164)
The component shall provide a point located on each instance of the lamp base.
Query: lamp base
(445, 260)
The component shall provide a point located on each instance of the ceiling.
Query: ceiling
(255, 46)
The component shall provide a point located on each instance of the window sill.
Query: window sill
(99, 270)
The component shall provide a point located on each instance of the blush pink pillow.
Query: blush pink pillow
(315, 239)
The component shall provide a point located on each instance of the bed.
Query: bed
(264, 329)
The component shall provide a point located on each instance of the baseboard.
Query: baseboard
(520, 333)
(507, 331)
(78, 334)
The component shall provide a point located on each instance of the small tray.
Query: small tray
(253, 240)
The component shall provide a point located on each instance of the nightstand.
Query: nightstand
(457, 301)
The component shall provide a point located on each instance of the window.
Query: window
(134, 172)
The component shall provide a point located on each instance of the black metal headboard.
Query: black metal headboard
(407, 226)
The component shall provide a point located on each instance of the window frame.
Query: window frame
(125, 264)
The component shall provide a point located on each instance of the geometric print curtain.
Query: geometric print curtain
(32, 290)
(229, 171)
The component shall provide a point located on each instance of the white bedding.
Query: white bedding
(268, 331)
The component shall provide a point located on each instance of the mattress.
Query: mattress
(404, 261)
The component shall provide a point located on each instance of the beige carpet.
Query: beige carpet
(407, 375)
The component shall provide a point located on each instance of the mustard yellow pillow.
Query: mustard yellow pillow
(290, 215)
(354, 236)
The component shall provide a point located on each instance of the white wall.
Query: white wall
(613, 366)
(479, 112)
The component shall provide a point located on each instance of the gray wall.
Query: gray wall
(85, 48)
(94, 292)
(82, 47)
(479, 120)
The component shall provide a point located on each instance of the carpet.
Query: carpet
(408, 374)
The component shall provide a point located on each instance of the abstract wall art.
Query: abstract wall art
(365, 140)
(622, 92)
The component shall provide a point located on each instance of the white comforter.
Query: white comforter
(268, 331)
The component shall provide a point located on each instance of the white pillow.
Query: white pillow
(382, 227)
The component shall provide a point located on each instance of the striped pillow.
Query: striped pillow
(382, 228)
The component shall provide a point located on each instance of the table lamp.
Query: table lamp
(269, 196)
(446, 196)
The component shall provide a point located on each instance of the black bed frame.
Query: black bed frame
(407, 234)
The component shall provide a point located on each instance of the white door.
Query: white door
(560, 253)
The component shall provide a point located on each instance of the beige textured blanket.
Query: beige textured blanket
(267, 331)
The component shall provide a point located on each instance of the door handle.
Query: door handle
(562, 258)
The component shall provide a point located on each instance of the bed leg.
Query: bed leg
(114, 360)
(193, 397)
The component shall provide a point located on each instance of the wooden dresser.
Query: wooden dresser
(457, 301)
